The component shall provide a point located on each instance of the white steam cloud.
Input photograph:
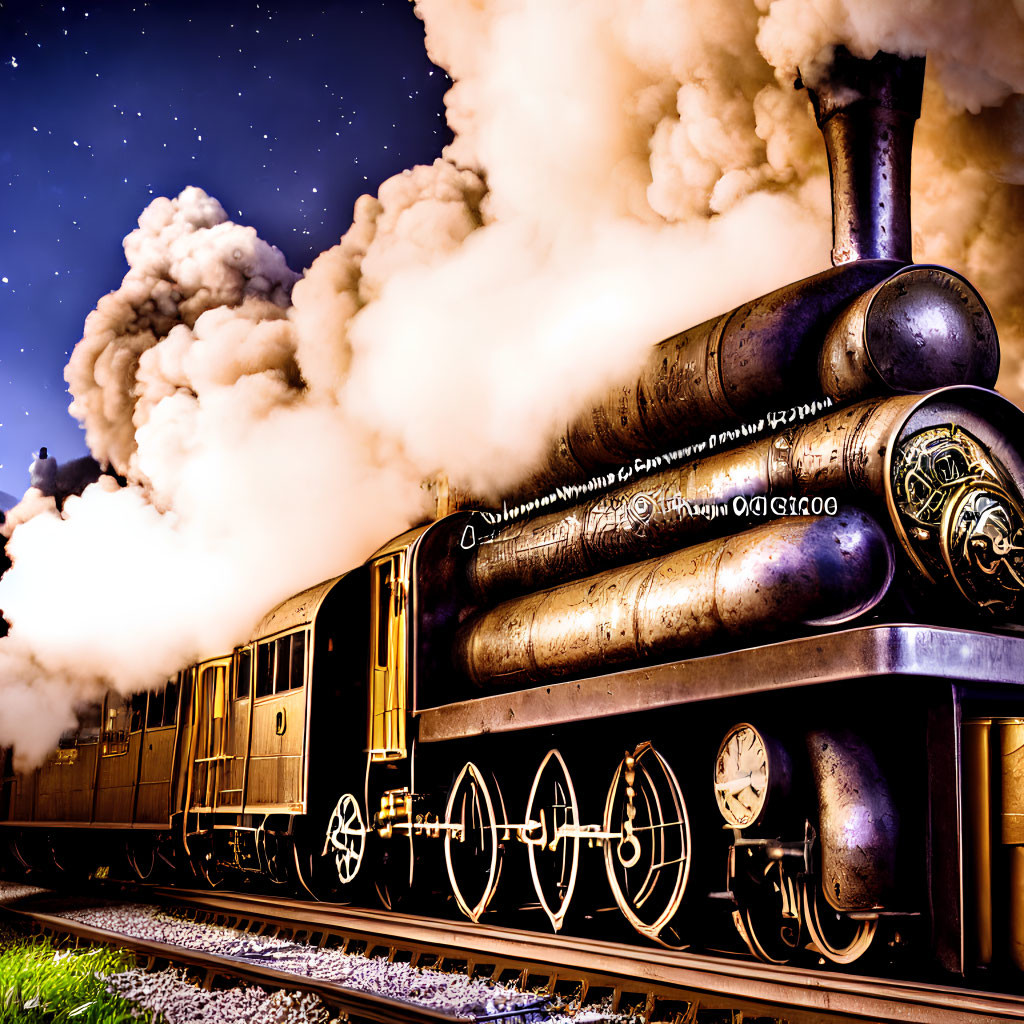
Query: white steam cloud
(621, 169)
(968, 167)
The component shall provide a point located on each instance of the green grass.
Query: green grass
(42, 985)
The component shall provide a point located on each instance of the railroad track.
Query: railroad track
(43, 909)
(656, 984)
(656, 981)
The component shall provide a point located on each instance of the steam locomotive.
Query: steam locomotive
(741, 664)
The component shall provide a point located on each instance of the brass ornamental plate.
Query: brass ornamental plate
(982, 542)
(962, 515)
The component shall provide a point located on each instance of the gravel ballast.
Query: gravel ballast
(181, 1001)
(450, 993)
(171, 993)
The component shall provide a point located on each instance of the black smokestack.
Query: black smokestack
(866, 110)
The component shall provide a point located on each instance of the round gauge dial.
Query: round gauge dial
(741, 776)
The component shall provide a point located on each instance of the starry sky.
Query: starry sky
(286, 114)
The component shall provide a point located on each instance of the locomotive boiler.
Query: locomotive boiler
(740, 667)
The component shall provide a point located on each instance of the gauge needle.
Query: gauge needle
(733, 786)
(740, 783)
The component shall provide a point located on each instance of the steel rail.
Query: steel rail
(363, 1005)
(801, 994)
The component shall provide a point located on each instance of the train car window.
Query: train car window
(383, 612)
(283, 645)
(171, 702)
(155, 715)
(115, 727)
(264, 670)
(89, 718)
(138, 712)
(296, 674)
(243, 672)
(68, 739)
(213, 686)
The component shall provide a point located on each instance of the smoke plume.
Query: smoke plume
(968, 166)
(620, 170)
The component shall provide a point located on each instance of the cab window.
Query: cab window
(155, 714)
(264, 669)
(282, 650)
(138, 712)
(171, 692)
(280, 664)
(383, 611)
(243, 672)
(89, 718)
(291, 652)
(296, 676)
(115, 727)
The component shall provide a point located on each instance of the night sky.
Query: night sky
(285, 114)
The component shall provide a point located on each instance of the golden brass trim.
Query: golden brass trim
(1017, 907)
(395, 812)
(1011, 749)
(389, 663)
(977, 784)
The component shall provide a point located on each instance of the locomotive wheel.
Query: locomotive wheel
(15, 856)
(648, 865)
(203, 861)
(472, 850)
(275, 853)
(554, 860)
(209, 871)
(313, 872)
(346, 838)
(848, 940)
(33, 851)
(21, 854)
(140, 852)
(394, 867)
(61, 854)
(771, 926)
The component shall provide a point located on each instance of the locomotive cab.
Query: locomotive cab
(270, 726)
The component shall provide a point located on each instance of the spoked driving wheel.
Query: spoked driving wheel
(769, 919)
(472, 850)
(346, 838)
(835, 936)
(552, 837)
(648, 864)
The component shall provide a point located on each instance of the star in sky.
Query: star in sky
(286, 114)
